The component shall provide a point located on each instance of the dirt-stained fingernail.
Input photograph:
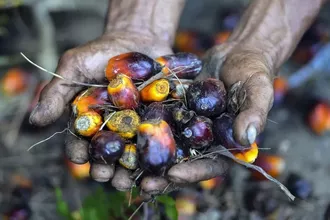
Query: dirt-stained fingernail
(251, 134)
(101, 172)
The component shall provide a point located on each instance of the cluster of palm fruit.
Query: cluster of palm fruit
(153, 113)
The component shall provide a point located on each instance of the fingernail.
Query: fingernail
(33, 113)
(176, 179)
(101, 180)
(122, 189)
(251, 134)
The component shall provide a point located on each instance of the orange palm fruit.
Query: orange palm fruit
(211, 183)
(14, 82)
(124, 123)
(135, 65)
(280, 85)
(222, 37)
(88, 99)
(156, 145)
(88, 123)
(319, 118)
(186, 205)
(273, 165)
(193, 42)
(156, 91)
(183, 65)
(249, 155)
(129, 159)
(78, 171)
(123, 93)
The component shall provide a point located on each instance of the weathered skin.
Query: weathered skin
(265, 37)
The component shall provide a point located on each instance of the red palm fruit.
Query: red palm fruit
(156, 91)
(123, 93)
(222, 37)
(280, 89)
(302, 55)
(197, 133)
(179, 89)
(135, 65)
(223, 134)
(319, 118)
(88, 123)
(184, 65)
(193, 42)
(156, 146)
(124, 123)
(211, 183)
(273, 165)
(207, 97)
(89, 98)
(106, 147)
(129, 159)
(19, 180)
(78, 171)
(14, 82)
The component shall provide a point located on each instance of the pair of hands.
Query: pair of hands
(87, 63)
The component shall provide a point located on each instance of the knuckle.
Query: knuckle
(68, 57)
(248, 61)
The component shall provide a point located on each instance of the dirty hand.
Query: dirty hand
(127, 31)
(263, 40)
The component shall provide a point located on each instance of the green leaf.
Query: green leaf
(62, 206)
(171, 212)
(117, 201)
(95, 206)
(166, 200)
(170, 207)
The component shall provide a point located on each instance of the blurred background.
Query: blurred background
(42, 184)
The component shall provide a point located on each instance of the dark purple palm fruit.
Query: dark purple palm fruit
(197, 133)
(223, 132)
(299, 186)
(106, 147)
(157, 110)
(156, 146)
(184, 65)
(207, 97)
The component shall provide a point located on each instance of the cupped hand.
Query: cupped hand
(87, 63)
(231, 63)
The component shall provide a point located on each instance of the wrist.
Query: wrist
(155, 19)
(274, 27)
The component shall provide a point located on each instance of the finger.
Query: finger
(101, 172)
(254, 71)
(154, 185)
(199, 170)
(76, 149)
(253, 114)
(122, 181)
(56, 94)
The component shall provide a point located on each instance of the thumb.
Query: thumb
(255, 72)
(57, 93)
